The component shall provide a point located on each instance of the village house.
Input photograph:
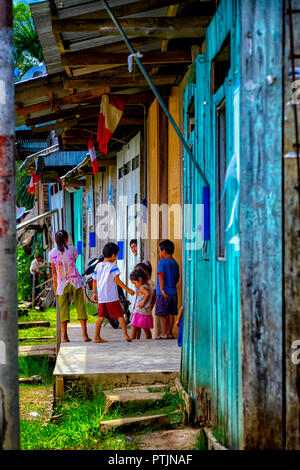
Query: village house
(226, 71)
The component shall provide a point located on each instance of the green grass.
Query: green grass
(37, 365)
(76, 428)
(48, 315)
(201, 442)
(78, 418)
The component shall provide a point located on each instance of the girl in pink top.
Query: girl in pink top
(67, 281)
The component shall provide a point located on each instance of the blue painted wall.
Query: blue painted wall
(211, 355)
(232, 360)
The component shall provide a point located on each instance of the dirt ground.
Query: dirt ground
(183, 438)
(37, 399)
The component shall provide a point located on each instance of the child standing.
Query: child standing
(105, 282)
(67, 282)
(167, 278)
(146, 266)
(142, 315)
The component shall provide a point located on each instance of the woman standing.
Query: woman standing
(67, 283)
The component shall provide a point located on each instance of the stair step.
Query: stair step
(33, 324)
(36, 338)
(154, 421)
(135, 395)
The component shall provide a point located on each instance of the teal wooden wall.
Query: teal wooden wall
(232, 360)
(78, 227)
(211, 355)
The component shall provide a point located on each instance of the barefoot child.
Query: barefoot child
(142, 315)
(105, 282)
(167, 278)
(146, 266)
(67, 282)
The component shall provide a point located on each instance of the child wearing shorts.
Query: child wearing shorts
(142, 315)
(67, 283)
(167, 278)
(105, 282)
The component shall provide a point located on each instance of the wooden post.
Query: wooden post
(59, 387)
(58, 326)
(261, 225)
(9, 381)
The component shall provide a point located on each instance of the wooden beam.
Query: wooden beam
(133, 8)
(83, 97)
(58, 36)
(75, 113)
(117, 82)
(75, 59)
(160, 27)
(36, 91)
(71, 113)
(172, 11)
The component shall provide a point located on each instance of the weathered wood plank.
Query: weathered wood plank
(36, 338)
(291, 251)
(132, 8)
(119, 83)
(86, 58)
(33, 324)
(261, 224)
(39, 350)
(55, 103)
(160, 27)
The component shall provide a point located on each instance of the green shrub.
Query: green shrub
(24, 284)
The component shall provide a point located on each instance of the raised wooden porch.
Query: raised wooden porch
(115, 363)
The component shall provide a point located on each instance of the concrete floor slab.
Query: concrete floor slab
(116, 356)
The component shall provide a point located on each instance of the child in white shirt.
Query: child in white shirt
(105, 282)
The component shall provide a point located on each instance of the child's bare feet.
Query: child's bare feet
(128, 339)
(65, 339)
(86, 338)
(100, 340)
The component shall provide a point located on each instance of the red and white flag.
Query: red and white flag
(33, 181)
(31, 188)
(92, 152)
(111, 110)
(36, 178)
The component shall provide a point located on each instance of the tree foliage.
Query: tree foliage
(27, 49)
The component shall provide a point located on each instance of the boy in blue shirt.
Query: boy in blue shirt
(166, 295)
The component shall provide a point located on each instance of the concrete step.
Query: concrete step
(135, 395)
(126, 424)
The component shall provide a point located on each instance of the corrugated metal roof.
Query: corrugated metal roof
(62, 158)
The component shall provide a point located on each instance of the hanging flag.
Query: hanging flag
(31, 188)
(36, 178)
(111, 110)
(92, 152)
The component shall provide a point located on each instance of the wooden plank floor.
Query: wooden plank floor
(116, 357)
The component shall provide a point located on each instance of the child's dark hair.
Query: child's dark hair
(146, 266)
(61, 237)
(168, 246)
(110, 249)
(137, 274)
(134, 240)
